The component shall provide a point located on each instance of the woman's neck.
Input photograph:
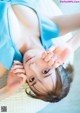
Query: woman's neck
(33, 42)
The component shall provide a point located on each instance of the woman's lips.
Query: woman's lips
(29, 58)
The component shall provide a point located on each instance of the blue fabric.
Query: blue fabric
(8, 49)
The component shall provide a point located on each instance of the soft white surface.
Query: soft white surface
(20, 102)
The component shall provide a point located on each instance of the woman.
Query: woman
(29, 38)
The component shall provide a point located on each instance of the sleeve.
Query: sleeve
(6, 50)
(49, 30)
(6, 55)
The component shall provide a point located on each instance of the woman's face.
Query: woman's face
(40, 77)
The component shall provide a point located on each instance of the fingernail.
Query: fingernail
(43, 55)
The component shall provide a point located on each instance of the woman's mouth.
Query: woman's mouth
(29, 58)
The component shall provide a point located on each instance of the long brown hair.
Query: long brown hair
(63, 83)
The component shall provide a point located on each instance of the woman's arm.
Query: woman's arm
(3, 70)
(74, 42)
(16, 78)
(5, 92)
(67, 23)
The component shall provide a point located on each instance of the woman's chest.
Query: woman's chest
(23, 23)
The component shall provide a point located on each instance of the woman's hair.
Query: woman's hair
(63, 83)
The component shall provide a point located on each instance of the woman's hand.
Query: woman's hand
(62, 53)
(16, 77)
(51, 59)
(56, 57)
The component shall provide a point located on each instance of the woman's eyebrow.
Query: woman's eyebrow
(47, 75)
(36, 89)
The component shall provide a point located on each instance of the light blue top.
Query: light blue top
(8, 49)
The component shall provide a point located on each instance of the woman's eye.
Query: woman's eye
(46, 71)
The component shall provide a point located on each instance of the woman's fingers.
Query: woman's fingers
(47, 56)
(19, 71)
(44, 55)
(65, 53)
(17, 67)
(53, 59)
(17, 76)
(22, 75)
(57, 50)
(50, 63)
(16, 62)
(54, 63)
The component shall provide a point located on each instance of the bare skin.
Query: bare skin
(3, 70)
(67, 23)
(32, 31)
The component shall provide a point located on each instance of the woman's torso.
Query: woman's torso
(23, 23)
(14, 26)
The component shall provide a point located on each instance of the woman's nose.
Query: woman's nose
(32, 79)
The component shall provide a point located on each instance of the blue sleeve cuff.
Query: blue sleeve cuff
(49, 30)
